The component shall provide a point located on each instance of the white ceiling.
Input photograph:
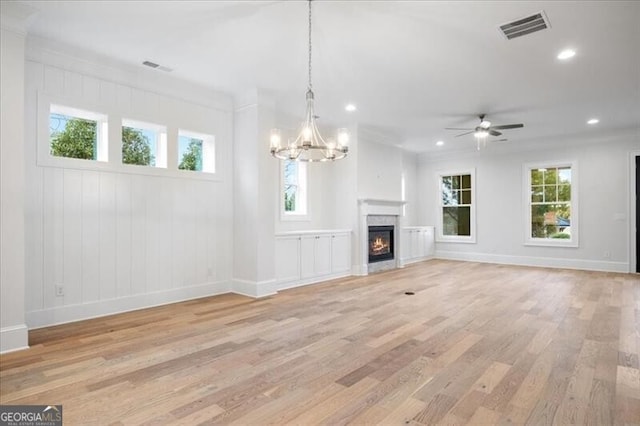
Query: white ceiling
(412, 67)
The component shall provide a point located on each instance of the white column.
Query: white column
(254, 183)
(13, 330)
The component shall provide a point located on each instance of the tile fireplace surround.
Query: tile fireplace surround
(374, 212)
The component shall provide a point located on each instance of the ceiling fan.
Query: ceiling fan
(485, 128)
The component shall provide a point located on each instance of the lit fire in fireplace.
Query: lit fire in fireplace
(379, 246)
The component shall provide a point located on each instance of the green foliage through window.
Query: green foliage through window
(73, 137)
(136, 147)
(192, 156)
(290, 185)
(456, 196)
(551, 202)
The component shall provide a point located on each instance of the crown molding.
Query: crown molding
(15, 17)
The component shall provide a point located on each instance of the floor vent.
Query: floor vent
(530, 24)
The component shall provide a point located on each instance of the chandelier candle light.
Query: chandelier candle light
(309, 146)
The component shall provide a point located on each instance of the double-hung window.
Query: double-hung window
(551, 204)
(456, 206)
(294, 190)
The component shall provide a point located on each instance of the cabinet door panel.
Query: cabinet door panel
(307, 256)
(287, 259)
(429, 244)
(406, 244)
(340, 253)
(322, 254)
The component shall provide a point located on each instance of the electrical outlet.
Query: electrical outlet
(607, 254)
(59, 290)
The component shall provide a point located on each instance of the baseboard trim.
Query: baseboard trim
(84, 311)
(14, 338)
(255, 289)
(309, 281)
(415, 260)
(545, 262)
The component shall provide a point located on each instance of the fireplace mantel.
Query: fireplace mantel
(369, 206)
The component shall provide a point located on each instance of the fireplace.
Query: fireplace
(380, 243)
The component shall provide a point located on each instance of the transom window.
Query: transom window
(551, 204)
(196, 152)
(76, 133)
(456, 207)
(144, 144)
(294, 189)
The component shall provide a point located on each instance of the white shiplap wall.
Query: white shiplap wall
(119, 239)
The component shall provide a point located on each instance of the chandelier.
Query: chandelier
(309, 145)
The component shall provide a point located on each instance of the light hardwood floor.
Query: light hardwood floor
(477, 344)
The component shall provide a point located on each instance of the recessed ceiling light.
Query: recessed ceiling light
(566, 54)
(440, 143)
(350, 107)
(593, 121)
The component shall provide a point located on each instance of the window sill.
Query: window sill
(292, 217)
(463, 240)
(103, 166)
(569, 244)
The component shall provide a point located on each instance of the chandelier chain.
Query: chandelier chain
(310, 86)
(309, 146)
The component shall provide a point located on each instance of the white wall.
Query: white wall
(412, 194)
(121, 239)
(13, 331)
(603, 204)
(379, 170)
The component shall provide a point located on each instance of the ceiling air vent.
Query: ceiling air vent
(526, 25)
(156, 66)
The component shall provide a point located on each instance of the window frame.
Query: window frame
(302, 195)
(526, 192)
(161, 142)
(208, 151)
(440, 237)
(113, 138)
(46, 107)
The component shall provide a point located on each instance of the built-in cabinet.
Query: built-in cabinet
(418, 243)
(310, 256)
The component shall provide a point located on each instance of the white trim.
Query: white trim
(440, 237)
(313, 232)
(526, 198)
(632, 211)
(100, 308)
(254, 289)
(14, 338)
(546, 262)
(113, 161)
(102, 132)
(314, 280)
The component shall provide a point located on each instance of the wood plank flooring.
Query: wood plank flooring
(476, 344)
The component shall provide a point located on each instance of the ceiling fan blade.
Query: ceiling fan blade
(465, 133)
(494, 132)
(457, 128)
(508, 126)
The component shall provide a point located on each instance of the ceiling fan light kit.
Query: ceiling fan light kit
(484, 129)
